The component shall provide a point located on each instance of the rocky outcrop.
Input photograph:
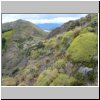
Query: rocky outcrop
(85, 70)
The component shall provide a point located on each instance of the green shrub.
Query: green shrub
(92, 76)
(40, 45)
(51, 43)
(90, 29)
(42, 51)
(7, 35)
(34, 70)
(67, 38)
(59, 41)
(83, 47)
(91, 64)
(80, 78)
(59, 64)
(35, 54)
(46, 77)
(64, 80)
(69, 33)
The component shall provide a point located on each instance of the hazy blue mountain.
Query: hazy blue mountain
(48, 26)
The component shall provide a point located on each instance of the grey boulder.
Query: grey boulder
(85, 70)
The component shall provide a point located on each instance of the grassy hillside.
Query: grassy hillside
(69, 58)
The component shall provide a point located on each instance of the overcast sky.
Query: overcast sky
(42, 18)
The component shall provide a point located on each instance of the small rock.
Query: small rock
(85, 70)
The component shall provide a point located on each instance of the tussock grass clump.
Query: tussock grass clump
(46, 77)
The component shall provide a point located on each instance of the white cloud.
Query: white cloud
(43, 18)
(52, 20)
(13, 17)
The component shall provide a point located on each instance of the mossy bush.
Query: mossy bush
(83, 47)
(59, 41)
(35, 54)
(67, 38)
(66, 35)
(91, 64)
(46, 77)
(79, 77)
(60, 63)
(33, 69)
(42, 51)
(6, 36)
(64, 80)
(51, 77)
(51, 43)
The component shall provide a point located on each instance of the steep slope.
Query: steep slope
(67, 58)
(83, 22)
(17, 36)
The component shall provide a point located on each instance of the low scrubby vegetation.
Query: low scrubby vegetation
(68, 58)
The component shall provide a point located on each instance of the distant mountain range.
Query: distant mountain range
(48, 26)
